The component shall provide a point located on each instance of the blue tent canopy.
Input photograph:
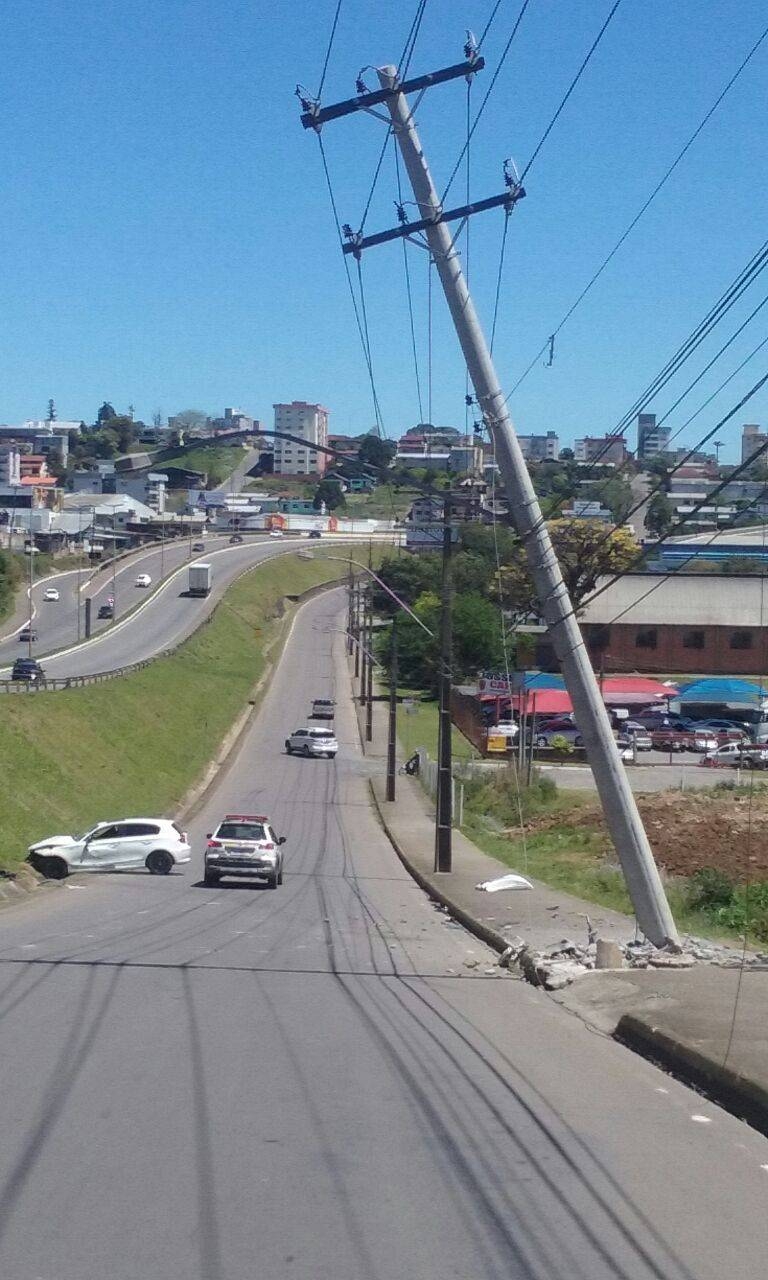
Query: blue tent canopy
(543, 680)
(724, 690)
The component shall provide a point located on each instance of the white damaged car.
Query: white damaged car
(155, 843)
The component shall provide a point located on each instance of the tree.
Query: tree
(375, 451)
(477, 643)
(586, 550)
(409, 577)
(105, 413)
(660, 515)
(330, 493)
(190, 418)
(566, 455)
(476, 632)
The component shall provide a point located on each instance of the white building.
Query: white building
(310, 422)
(10, 465)
(540, 448)
(752, 439)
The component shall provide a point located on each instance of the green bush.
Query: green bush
(741, 909)
(710, 889)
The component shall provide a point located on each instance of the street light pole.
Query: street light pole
(79, 570)
(369, 674)
(364, 654)
(392, 738)
(356, 627)
(350, 618)
(30, 548)
(114, 561)
(444, 800)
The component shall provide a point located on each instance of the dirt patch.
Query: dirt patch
(689, 832)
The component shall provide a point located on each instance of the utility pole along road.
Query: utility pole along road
(321, 1082)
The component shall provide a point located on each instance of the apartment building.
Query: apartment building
(540, 448)
(606, 450)
(651, 440)
(310, 422)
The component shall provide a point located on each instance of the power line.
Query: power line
(358, 321)
(403, 64)
(328, 50)
(664, 577)
(570, 89)
(707, 367)
(719, 388)
(499, 275)
(727, 300)
(483, 104)
(659, 488)
(716, 313)
(646, 205)
(488, 24)
(744, 466)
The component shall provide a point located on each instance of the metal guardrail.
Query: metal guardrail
(56, 683)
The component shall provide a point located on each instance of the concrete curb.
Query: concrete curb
(493, 939)
(743, 1098)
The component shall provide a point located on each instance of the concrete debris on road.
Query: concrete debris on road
(511, 881)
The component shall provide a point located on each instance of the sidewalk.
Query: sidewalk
(707, 1025)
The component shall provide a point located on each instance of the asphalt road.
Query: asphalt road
(167, 615)
(56, 622)
(331, 1081)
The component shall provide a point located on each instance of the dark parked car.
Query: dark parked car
(315, 533)
(27, 634)
(198, 546)
(728, 730)
(236, 537)
(106, 611)
(27, 669)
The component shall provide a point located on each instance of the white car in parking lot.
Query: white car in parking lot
(155, 843)
(51, 593)
(312, 741)
(143, 580)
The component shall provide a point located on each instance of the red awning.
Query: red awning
(634, 691)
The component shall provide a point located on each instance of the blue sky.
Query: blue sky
(167, 239)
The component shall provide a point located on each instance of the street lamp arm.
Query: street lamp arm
(384, 587)
(342, 631)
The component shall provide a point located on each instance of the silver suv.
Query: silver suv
(312, 742)
(244, 844)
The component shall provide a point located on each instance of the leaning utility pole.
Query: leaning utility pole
(444, 798)
(623, 820)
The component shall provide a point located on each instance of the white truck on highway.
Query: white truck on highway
(199, 579)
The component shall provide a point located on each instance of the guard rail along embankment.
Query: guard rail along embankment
(54, 683)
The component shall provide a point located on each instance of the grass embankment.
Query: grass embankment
(559, 837)
(217, 460)
(417, 727)
(137, 743)
(14, 573)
